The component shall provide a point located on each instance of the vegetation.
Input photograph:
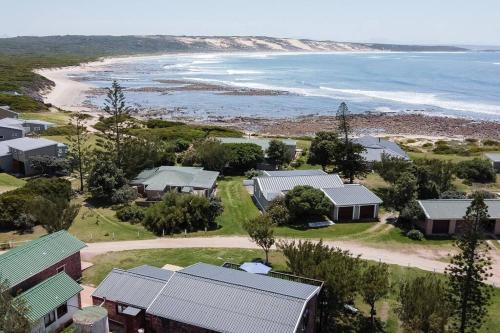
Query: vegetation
(13, 312)
(322, 147)
(278, 153)
(244, 156)
(476, 170)
(78, 151)
(133, 214)
(105, 178)
(306, 203)
(374, 286)
(468, 271)
(261, 231)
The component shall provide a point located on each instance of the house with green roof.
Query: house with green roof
(154, 183)
(44, 273)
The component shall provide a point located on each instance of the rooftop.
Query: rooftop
(158, 179)
(48, 295)
(495, 157)
(354, 194)
(291, 173)
(273, 186)
(21, 263)
(455, 209)
(375, 147)
(151, 271)
(25, 144)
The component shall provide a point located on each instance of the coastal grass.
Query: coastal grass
(386, 308)
(7, 180)
(56, 117)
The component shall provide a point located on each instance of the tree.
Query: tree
(433, 177)
(476, 170)
(469, 269)
(278, 153)
(322, 149)
(405, 190)
(115, 106)
(347, 156)
(278, 212)
(54, 215)
(213, 155)
(374, 286)
(145, 153)
(261, 231)
(410, 214)
(13, 312)
(304, 202)
(390, 167)
(79, 152)
(423, 304)
(49, 165)
(340, 271)
(244, 156)
(105, 178)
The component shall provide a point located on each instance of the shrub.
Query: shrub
(24, 223)
(124, 194)
(181, 145)
(415, 235)
(304, 202)
(453, 195)
(65, 130)
(490, 142)
(252, 173)
(427, 145)
(476, 170)
(278, 212)
(244, 156)
(132, 214)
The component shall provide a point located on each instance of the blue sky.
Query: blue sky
(399, 21)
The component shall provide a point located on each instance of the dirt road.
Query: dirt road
(420, 257)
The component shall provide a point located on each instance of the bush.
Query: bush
(305, 202)
(453, 195)
(24, 223)
(476, 170)
(124, 194)
(427, 145)
(181, 145)
(278, 212)
(252, 173)
(132, 214)
(244, 156)
(409, 215)
(415, 235)
(65, 130)
(490, 143)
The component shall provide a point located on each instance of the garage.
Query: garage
(367, 212)
(440, 226)
(345, 213)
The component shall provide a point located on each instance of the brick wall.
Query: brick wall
(130, 324)
(72, 267)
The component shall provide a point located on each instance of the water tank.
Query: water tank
(92, 319)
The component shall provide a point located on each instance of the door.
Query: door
(367, 212)
(440, 226)
(345, 213)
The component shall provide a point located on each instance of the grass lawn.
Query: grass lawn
(13, 236)
(101, 224)
(8, 182)
(373, 181)
(103, 264)
(56, 117)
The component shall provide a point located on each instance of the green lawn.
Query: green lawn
(7, 180)
(56, 117)
(103, 264)
(101, 224)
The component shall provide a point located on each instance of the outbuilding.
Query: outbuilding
(494, 158)
(353, 202)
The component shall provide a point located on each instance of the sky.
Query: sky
(386, 21)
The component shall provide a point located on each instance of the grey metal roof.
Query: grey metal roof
(25, 144)
(454, 209)
(129, 288)
(495, 157)
(226, 300)
(38, 122)
(262, 142)
(377, 146)
(290, 173)
(273, 186)
(159, 178)
(4, 148)
(352, 195)
(151, 271)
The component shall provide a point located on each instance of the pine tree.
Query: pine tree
(469, 269)
(79, 152)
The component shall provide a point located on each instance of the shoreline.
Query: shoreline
(72, 95)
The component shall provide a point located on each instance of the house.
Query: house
(262, 142)
(6, 112)
(353, 202)
(154, 183)
(43, 273)
(15, 154)
(10, 130)
(445, 216)
(350, 202)
(289, 173)
(375, 148)
(29, 125)
(206, 298)
(494, 159)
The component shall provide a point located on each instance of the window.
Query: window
(1, 136)
(37, 128)
(49, 318)
(120, 308)
(60, 269)
(62, 310)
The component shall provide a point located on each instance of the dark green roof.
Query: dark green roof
(21, 263)
(48, 295)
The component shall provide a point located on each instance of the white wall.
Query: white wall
(72, 307)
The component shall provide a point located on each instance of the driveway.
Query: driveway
(426, 258)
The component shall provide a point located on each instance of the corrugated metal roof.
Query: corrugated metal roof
(154, 272)
(495, 157)
(159, 178)
(48, 295)
(22, 262)
(262, 142)
(227, 300)
(129, 288)
(352, 195)
(272, 186)
(4, 148)
(291, 173)
(25, 144)
(455, 209)
(377, 146)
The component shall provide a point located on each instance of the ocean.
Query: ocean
(449, 84)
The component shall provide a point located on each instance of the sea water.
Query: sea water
(465, 84)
